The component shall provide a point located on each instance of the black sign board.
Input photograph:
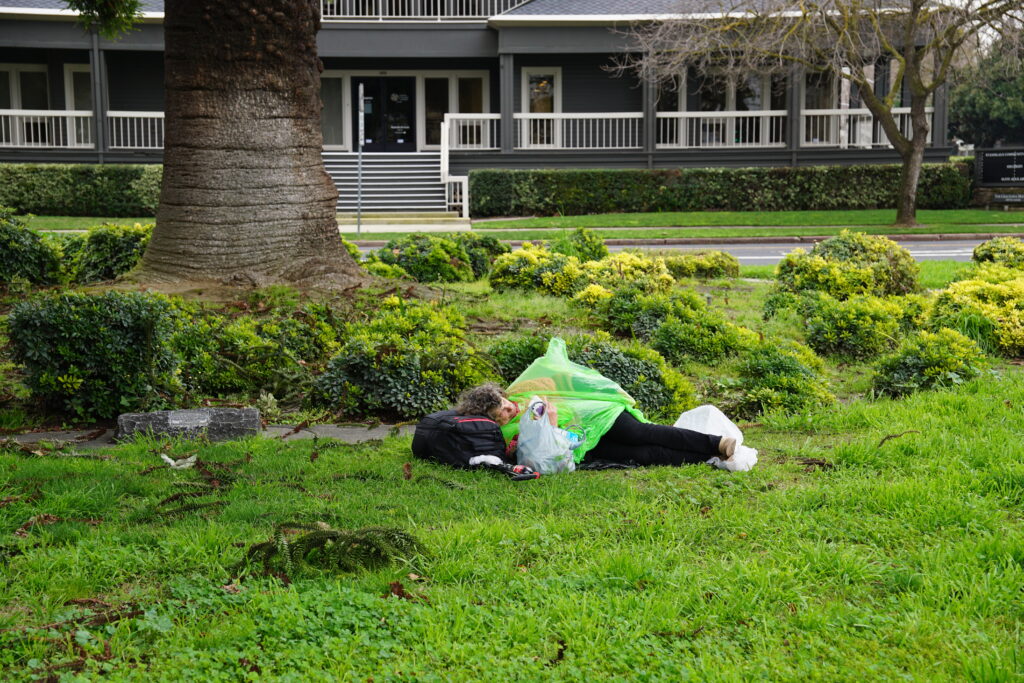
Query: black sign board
(1008, 198)
(999, 167)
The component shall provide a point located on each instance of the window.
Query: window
(542, 94)
(25, 86)
(435, 102)
(332, 118)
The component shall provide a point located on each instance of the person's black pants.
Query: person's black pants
(650, 444)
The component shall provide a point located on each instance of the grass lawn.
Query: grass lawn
(934, 274)
(865, 217)
(79, 222)
(844, 555)
(537, 234)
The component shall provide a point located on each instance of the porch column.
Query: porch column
(940, 120)
(793, 107)
(650, 121)
(98, 76)
(507, 98)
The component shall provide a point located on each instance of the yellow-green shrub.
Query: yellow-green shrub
(702, 264)
(990, 313)
(1008, 251)
(859, 327)
(926, 361)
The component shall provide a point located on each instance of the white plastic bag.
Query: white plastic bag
(542, 446)
(708, 419)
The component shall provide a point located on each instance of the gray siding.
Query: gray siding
(586, 86)
(404, 40)
(136, 81)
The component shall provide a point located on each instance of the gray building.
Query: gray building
(450, 85)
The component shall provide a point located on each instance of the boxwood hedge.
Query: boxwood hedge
(81, 189)
(502, 192)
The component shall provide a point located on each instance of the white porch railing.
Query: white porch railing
(474, 131)
(845, 128)
(33, 129)
(606, 130)
(135, 129)
(414, 10)
(683, 130)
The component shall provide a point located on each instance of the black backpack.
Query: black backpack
(452, 439)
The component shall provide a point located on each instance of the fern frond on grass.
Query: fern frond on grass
(344, 550)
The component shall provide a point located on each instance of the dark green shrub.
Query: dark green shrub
(775, 377)
(661, 392)
(700, 335)
(111, 250)
(482, 250)
(503, 192)
(584, 244)
(701, 264)
(1009, 251)
(27, 255)
(629, 311)
(428, 258)
(277, 353)
(81, 189)
(859, 327)
(95, 356)
(926, 361)
(410, 360)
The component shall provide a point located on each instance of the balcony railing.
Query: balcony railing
(414, 10)
(852, 128)
(607, 130)
(36, 129)
(135, 129)
(685, 130)
(47, 129)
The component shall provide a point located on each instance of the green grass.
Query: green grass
(961, 217)
(537, 234)
(903, 559)
(78, 222)
(934, 274)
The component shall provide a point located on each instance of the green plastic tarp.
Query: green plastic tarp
(585, 398)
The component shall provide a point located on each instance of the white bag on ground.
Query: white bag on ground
(543, 447)
(708, 419)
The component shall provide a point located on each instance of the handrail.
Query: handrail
(414, 10)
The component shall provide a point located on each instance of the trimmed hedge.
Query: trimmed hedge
(81, 189)
(545, 192)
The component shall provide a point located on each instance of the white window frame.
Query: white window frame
(69, 86)
(421, 111)
(14, 70)
(524, 104)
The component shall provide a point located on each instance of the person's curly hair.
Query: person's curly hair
(481, 400)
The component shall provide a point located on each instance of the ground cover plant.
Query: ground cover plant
(880, 539)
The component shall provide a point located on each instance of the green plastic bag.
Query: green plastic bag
(583, 397)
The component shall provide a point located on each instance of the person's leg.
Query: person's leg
(628, 430)
(610, 450)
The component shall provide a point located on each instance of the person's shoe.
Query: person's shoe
(727, 447)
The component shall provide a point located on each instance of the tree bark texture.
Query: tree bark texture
(245, 193)
(913, 159)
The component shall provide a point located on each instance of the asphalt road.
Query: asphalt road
(770, 254)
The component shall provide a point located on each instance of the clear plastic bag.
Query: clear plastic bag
(708, 419)
(542, 446)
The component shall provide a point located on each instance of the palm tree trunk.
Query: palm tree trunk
(245, 193)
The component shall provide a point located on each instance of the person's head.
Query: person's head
(487, 399)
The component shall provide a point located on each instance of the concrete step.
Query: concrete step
(406, 214)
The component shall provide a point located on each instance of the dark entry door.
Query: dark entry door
(390, 113)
